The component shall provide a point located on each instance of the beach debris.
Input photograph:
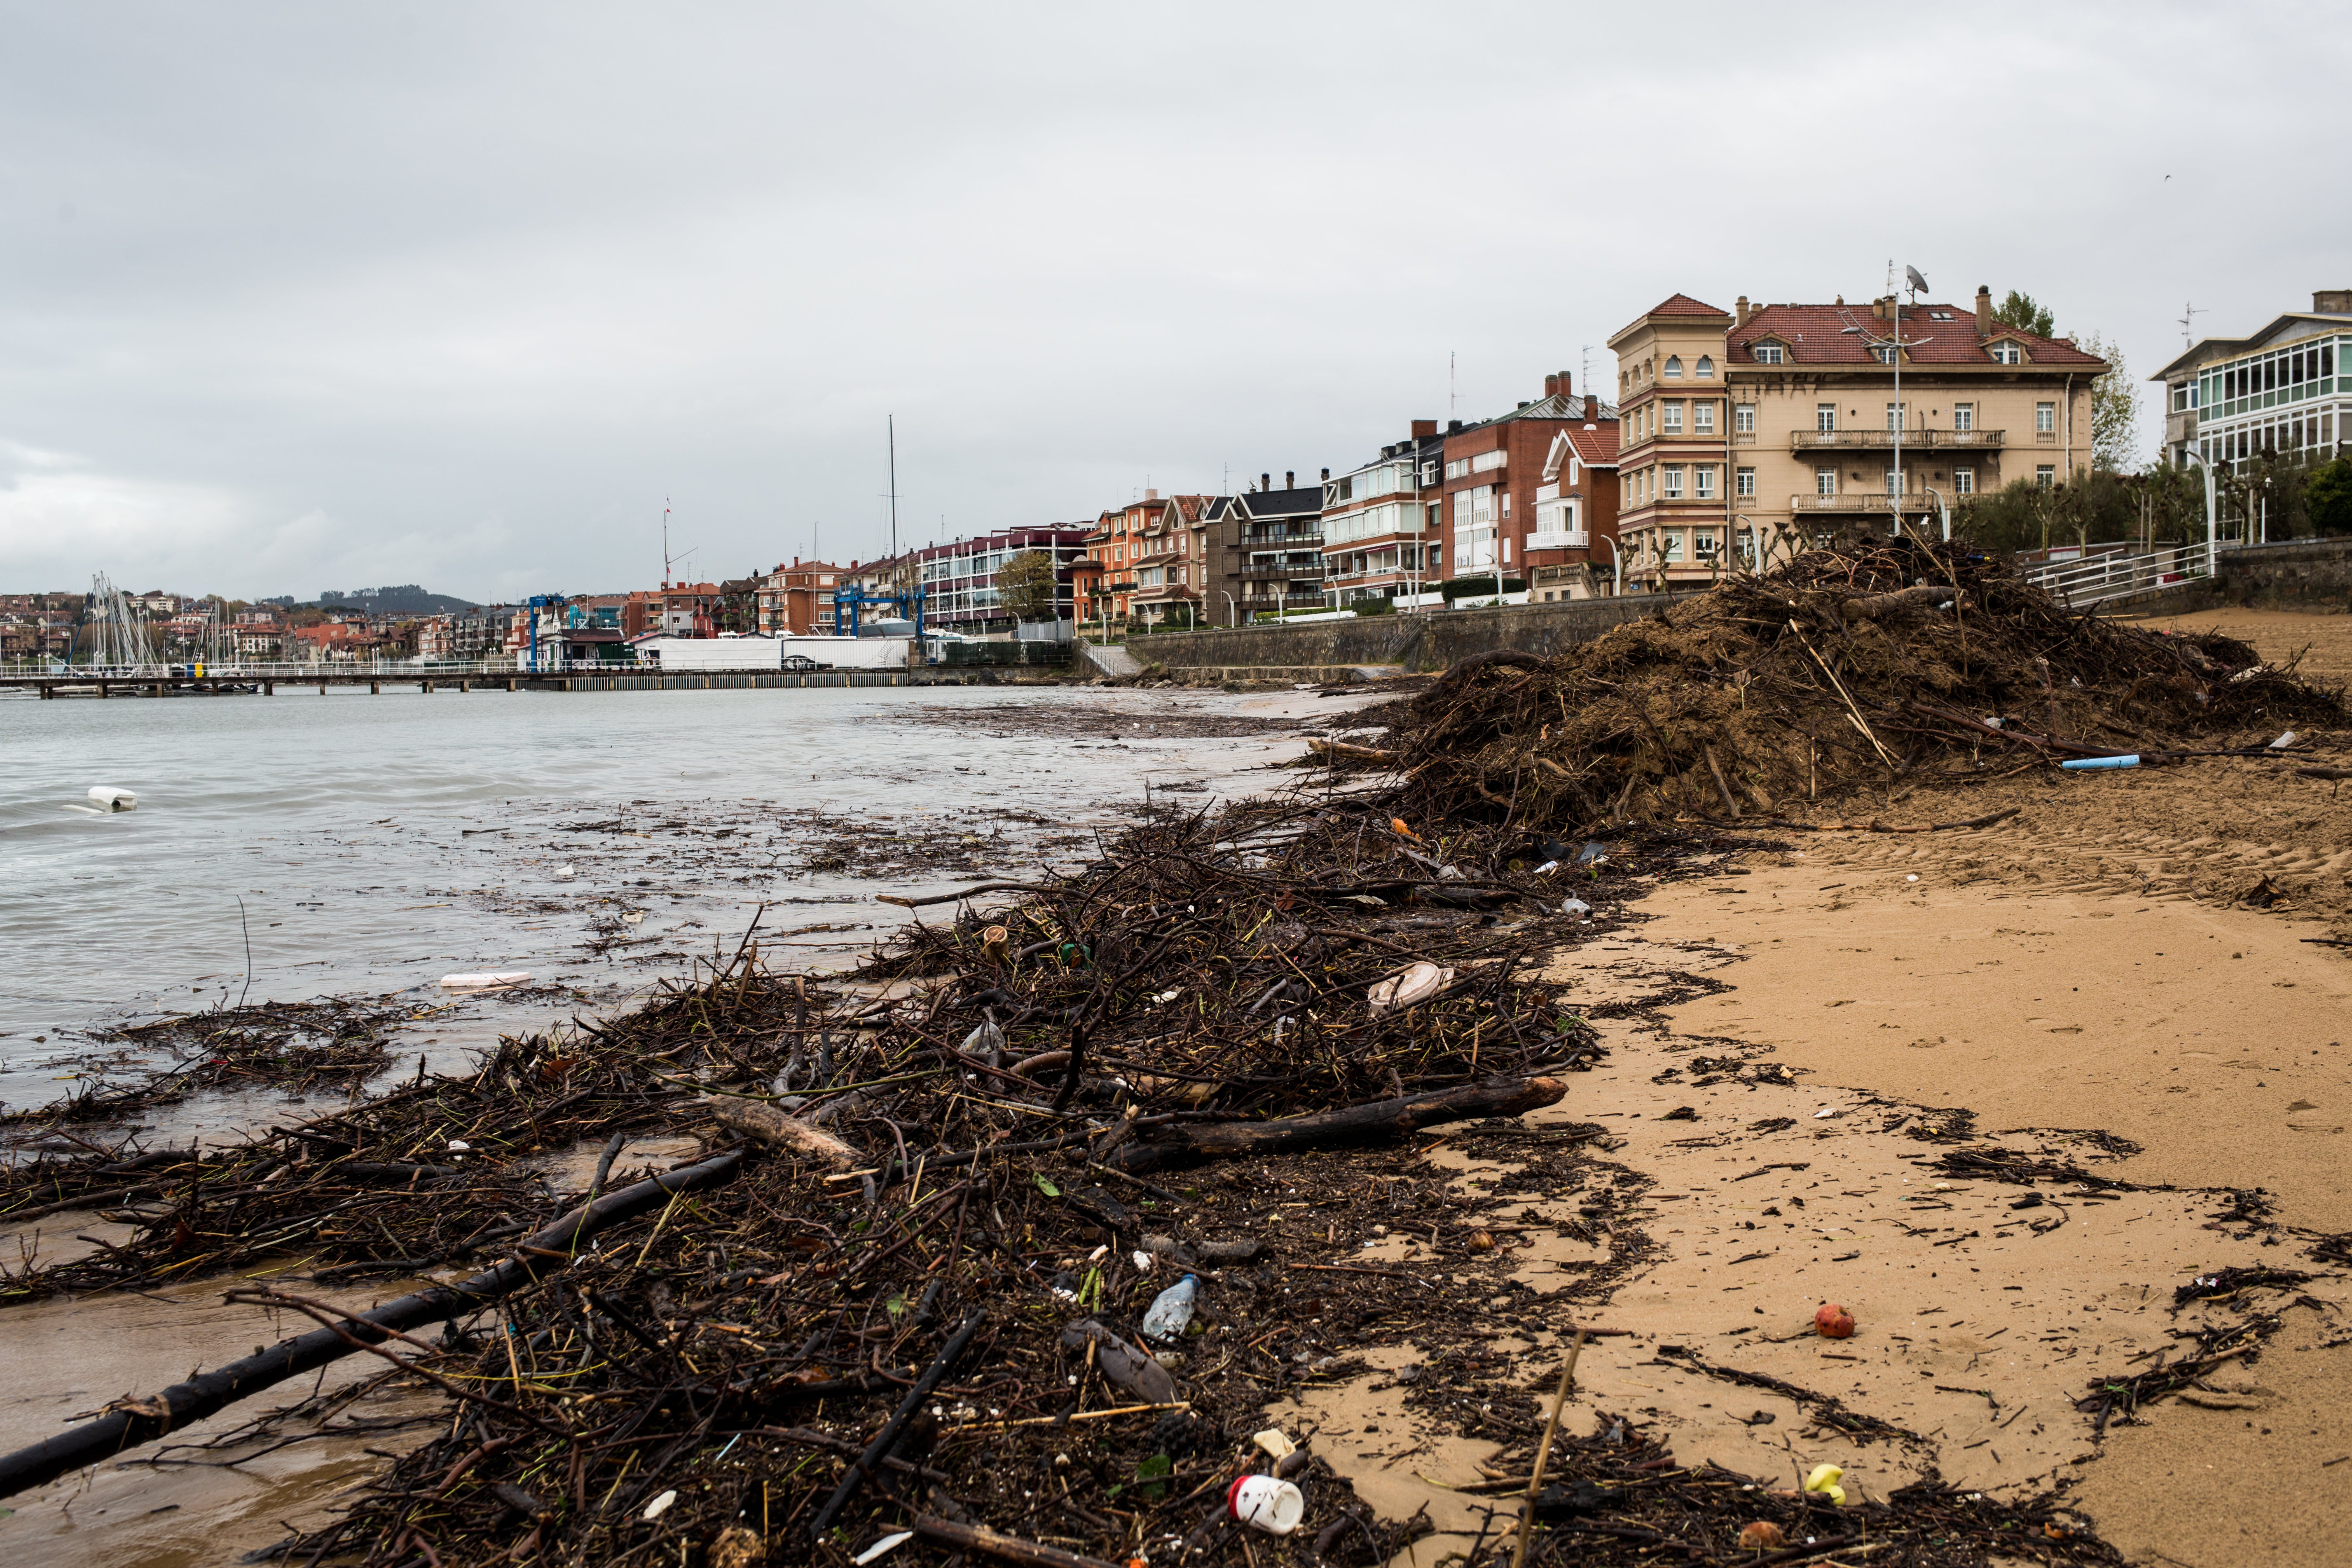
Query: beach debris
(2088, 765)
(659, 1506)
(1409, 987)
(1823, 1480)
(1265, 1504)
(1398, 823)
(2283, 742)
(1763, 1535)
(565, 873)
(1171, 1310)
(770, 1125)
(1832, 1321)
(1825, 1113)
(1482, 1241)
(1275, 1442)
(1125, 1366)
(993, 944)
(501, 980)
(890, 1542)
(1576, 909)
(108, 798)
(1593, 857)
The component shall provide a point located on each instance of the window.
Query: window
(1895, 417)
(1824, 416)
(1507, 503)
(1429, 472)
(1964, 416)
(1825, 481)
(1486, 461)
(1704, 475)
(1703, 418)
(1743, 419)
(2006, 353)
(1703, 543)
(1768, 353)
(1671, 540)
(1457, 467)
(1743, 482)
(1674, 483)
(1882, 353)
(1674, 367)
(1706, 368)
(1964, 481)
(2045, 418)
(1672, 425)
(1895, 479)
(2045, 476)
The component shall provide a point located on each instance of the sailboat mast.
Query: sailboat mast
(894, 487)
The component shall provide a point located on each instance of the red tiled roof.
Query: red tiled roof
(1684, 305)
(1596, 443)
(1815, 334)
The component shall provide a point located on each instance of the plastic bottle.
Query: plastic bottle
(1172, 1310)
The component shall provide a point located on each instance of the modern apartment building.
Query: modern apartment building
(959, 580)
(1766, 429)
(2285, 389)
(1383, 523)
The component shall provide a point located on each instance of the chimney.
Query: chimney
(1326, 476)
(1423, 429)
(2331, 302)
(1151, 495)
(1453, 426)
(1265, 481)
(1883, 307)
(1563, 383)
(1592, 406)
(1289, 479)
(1551, 386)
(1984, 312)
(1740, 313)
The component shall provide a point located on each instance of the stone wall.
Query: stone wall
(2313, 574)
(1423, 642)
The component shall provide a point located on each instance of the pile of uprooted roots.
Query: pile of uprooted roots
(1838, 673)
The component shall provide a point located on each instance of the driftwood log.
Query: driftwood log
(1872, 606)
(1352, 1124)
(770, 1125)
(1335, 750)
(1011, 1548)
(184, 1404)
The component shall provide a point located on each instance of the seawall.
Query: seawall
(1416, 642)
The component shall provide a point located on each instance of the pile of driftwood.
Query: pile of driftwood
(1838, 675)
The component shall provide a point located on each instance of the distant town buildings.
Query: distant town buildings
(2282, 390)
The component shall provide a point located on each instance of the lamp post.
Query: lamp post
(1895, 347)
(1942, 511)
(1616, 564)
(2213, 523)
(1232, 611)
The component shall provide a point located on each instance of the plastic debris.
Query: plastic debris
(2083, 764)
(108, 798)
(659, 1506)
(1398, 823)
(1265, 1504)
(1546, 869)
(1172, 1309)
(1577, 908)
(1592, 854)
(2280, 744)
(986, 1042)
(1275, 1442)
(887, 1543)
(1824, 1479)
(565, 873)
(1122, 1363)
(1409, 987)
(1825, 1113)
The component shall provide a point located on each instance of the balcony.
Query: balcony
(1578, 541)
(1255, 573)
(1851, 501)
(1882, 440)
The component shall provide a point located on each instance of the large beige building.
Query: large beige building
(1751, 432)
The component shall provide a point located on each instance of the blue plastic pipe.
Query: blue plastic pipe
(2081, 763)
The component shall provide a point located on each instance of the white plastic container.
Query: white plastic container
(1262, 1502)
(1172, 1310)
(106, 797)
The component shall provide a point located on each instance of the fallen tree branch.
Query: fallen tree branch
(971, 893)
(1355, 1124)
(1011, 1548)
(769, 1124)
(183, 1403)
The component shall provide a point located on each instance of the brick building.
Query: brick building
(1495, 472)
(797, 600)
(1383, 523)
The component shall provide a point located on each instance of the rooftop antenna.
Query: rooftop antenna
(2189, 313)
(1453, 395)
(1585, 372)
(894, 487)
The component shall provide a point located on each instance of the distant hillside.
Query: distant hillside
(406, 599)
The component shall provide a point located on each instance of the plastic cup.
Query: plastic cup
(1262, 1502)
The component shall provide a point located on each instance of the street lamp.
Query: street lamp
(1941, 511)
(2212, 510)
(1616, 564)
(1233, 611)
(1895, 347)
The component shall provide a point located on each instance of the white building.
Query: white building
(2286, 389)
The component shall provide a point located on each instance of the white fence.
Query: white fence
(2113, 572)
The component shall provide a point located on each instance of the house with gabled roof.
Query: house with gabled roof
(1753, 432)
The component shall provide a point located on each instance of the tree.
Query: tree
(1026, 588)
(2115, 409)
(2018, 311)
(2327, 497)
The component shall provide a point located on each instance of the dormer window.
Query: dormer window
(2007, 353)
(1706, 368)
(1674, 367)
(1768, 353)
(1882, 353)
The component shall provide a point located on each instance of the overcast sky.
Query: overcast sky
(297, 297)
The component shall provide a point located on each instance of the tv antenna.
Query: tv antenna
(1453, 394)
(893, 486)
(2189, 313)
(669, 562)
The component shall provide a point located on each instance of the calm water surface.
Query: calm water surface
(377, 843)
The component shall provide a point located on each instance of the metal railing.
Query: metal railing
(2114, 573)
(332, 669)
(1924, 440)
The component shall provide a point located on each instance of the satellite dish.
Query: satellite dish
(1918, 284)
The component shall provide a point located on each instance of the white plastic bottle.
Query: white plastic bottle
(1171, 1310)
